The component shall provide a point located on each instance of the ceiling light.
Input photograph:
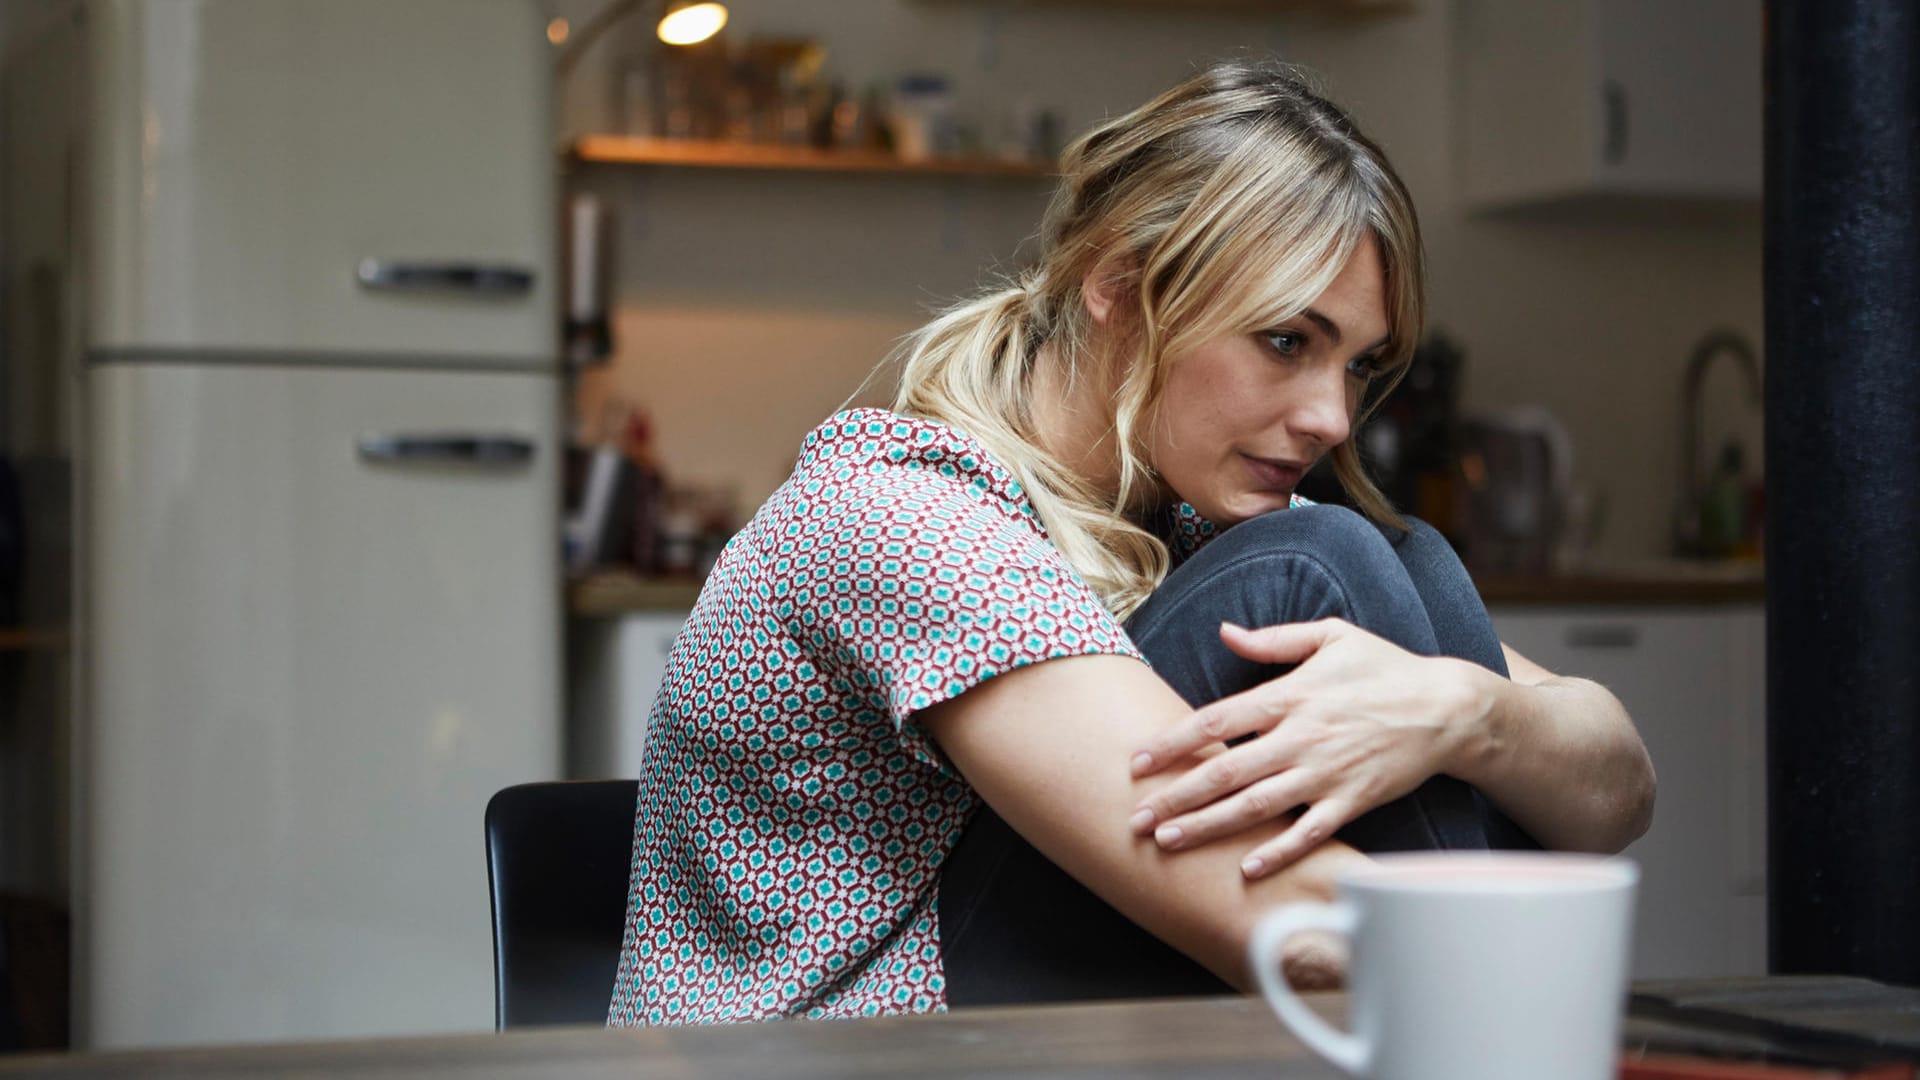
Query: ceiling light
(690, 24)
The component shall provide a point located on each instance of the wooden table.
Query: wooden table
(1192, 1037)
(1196, 1037)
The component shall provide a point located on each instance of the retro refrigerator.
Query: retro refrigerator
(320, 507)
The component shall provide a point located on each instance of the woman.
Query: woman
(908, 754)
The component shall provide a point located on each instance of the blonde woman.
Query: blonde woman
(950, 721)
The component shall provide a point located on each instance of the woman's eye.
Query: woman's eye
(1285, 342)
(1364, 367)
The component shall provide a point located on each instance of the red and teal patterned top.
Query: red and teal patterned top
(792, 818)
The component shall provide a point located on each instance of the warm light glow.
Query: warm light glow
(557, 31)
(690, 24)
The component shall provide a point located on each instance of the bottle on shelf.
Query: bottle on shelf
(649, 492)
(873, 126)
(1723, 511)
(923, 117)
(680, 535)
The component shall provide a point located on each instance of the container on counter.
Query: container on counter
(1028, 132)
(679, 550)
(923, 117)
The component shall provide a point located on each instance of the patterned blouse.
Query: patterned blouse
(792, 818)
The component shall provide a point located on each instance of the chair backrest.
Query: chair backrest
(558, 859)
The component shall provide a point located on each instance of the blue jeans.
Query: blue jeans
(1014, 928)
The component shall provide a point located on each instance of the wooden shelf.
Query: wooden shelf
(20, 639)
(707, 154)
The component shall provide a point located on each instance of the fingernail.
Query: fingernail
(1142, 761)
(1252, 865)
(1142, 819)
(1167, 835)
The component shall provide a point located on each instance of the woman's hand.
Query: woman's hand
(1359, 723)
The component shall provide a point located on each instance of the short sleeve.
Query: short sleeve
(925, 585)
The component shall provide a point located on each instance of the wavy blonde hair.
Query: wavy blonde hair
(1225, 205)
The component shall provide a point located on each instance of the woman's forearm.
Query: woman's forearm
(1047, 747)
(1560, 757)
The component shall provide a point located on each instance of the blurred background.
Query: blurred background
(380, 376)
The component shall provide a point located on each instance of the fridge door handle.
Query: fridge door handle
(484, 279)
(446, 449)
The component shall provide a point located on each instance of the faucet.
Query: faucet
(1687, 526)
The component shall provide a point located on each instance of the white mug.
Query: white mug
(1468, 966)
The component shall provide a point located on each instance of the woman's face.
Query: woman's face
(1243, 417)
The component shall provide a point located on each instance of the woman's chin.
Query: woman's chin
(1254, 503)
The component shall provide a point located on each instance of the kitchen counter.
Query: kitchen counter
(1648, 583)
(611, 593)
(1658, 583)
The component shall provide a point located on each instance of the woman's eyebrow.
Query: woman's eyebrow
(1327, 326)
(1332, 329)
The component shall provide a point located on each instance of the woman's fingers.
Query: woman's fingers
(1256, 803)
(1248, 712)
(1288, 643)
(1320, 822)
(1213, 779)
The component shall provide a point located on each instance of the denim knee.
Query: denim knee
(1417, 532)
(1345, 543)
(1419, 539)
(1295, 565)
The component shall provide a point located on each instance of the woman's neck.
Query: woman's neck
(1074, 419)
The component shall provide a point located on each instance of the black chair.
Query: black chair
(558, 860)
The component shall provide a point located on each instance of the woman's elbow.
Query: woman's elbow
(1609, 816)
(1640, 812)
(1624, 810)
(1627, 809)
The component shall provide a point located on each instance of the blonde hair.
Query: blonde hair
(1225, 205)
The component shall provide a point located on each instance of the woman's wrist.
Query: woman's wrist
(1480, 700)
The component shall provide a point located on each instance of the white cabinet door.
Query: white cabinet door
(1563, 100)
(247, 155)
(617, 668)
(308, 674)
(1693, 682)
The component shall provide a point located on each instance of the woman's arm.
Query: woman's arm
(1559, 755)
(1361, 722)
(1047, 746)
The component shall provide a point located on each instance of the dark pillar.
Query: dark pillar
(1843, 485)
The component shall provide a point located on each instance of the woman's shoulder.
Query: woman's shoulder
(871, 433)
(896, 450)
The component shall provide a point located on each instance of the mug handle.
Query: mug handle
(1346, 1050)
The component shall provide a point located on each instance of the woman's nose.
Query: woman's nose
(1320, 413)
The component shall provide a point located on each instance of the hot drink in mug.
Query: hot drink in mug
(1468, 966)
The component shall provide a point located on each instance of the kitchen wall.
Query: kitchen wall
(752, 304)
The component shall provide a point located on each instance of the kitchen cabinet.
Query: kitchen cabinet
(1583, 100)
(616, 664)
(1694, 681)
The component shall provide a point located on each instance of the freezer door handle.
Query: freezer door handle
(447, 449)
(488, 279)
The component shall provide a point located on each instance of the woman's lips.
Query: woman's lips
(1273, 475)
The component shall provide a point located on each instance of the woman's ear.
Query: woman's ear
(1103, 286)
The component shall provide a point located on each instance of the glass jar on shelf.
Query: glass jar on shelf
(923, 117)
